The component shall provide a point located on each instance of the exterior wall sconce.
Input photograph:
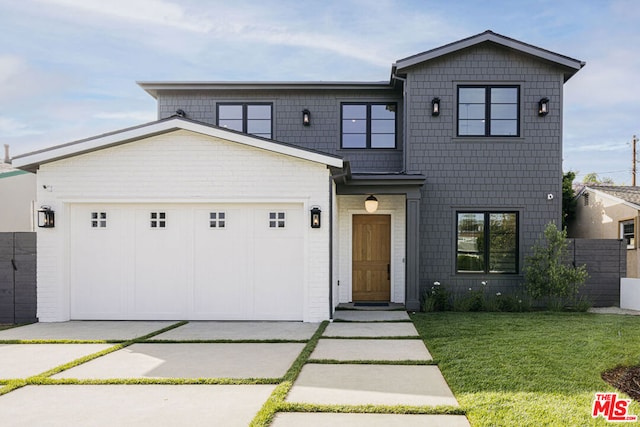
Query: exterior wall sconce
(306, 117)
(543, 107)
(371, 204)
(435, 107)
(46, 217)
(315, 217)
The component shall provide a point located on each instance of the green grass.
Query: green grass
(529, 369)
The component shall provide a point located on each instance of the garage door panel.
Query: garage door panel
(98, 282)
(220, 253)
(160, 262)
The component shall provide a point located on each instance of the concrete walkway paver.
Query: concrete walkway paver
(133, 405)
(363, 349)
(25, 360)
(374, 329)
(84, 330)
(297, 419)
(238, 360)
(370, 316)
(371, 384)
(204, 330)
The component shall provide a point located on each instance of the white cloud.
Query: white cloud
(10, 127)
(142, 116)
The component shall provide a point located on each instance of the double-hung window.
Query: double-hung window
(487, 242)
(628, 232)
(369, 125)
(488, 111)
(253, 118)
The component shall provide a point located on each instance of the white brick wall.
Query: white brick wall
(395, 205)
(181, 166)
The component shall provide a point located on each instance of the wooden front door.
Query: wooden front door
(371, 258)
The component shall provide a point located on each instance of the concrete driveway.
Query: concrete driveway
(90, 373)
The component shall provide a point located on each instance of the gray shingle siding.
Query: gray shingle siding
(482, 173)
(322, 135)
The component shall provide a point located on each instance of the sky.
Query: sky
(68, 68)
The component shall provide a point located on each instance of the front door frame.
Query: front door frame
(392, 282)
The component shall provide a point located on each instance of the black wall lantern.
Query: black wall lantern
(46, 217)
(306, 117)
(543, 107)
(435, 107)
(315, 217)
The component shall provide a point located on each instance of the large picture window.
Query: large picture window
(488, 111)
(487, 242)
(248, 118)
(369, 125)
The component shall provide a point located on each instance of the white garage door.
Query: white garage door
(226, 262)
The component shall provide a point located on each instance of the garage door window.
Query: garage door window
(158, 220)
(276, 219)
(98, 220)
(217, 220)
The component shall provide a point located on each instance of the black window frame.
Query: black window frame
(487, 109)
(245, 120)
(486, 234)
(368, 132)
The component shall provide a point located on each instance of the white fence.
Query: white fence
(630, 294)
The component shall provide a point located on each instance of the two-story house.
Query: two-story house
(282, 200)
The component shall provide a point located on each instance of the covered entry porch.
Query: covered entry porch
(377, 246)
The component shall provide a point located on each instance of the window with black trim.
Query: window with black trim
(628, 232)
(488, 111)
(252, 118)
(487, 242)
(98, 220)
(158, 219)
(369, 125)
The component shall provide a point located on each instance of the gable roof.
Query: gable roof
(627, 194)
(31, 161)
(572, 65)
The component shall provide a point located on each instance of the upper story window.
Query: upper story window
(255, 118)
(487, 242)
(369, 125)
(488, 110)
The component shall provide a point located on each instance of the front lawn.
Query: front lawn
(530, 369)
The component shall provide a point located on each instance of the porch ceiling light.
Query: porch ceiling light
(371, 204)
(543, 107)
(435, 107)
(306, 117)
(46, 217)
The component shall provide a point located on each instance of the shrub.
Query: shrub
(436, 298)
(548, 276)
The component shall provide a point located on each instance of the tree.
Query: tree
(569, 201)
(592, 178)
(548, 276)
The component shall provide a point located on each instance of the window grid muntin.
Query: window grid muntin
(277, 219)
(247, 119)
(98, 220)
(486, 125)
(376, 132)
(218, 220)
(157, 219)
(486, 248)
(628, 233)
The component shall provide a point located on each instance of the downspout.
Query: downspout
(405, 114)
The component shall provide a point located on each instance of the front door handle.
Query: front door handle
(388, 271)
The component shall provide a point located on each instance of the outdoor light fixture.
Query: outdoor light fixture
(315, 217)
(435, 107)
(306, 117)
(543, 107)
(46, 217)
(371, 204)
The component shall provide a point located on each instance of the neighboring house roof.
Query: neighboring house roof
(7, 170)
(626, 194)
(31, 161)
(572, 65)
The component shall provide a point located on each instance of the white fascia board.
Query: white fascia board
(157, 128)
